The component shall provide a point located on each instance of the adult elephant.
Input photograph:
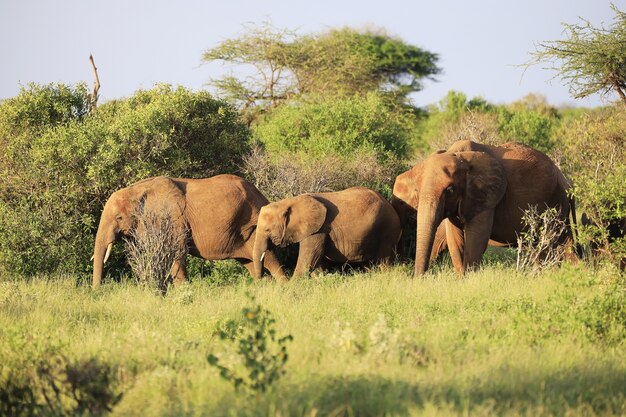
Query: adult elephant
(482, 192)
(219, 214)
(356, 226)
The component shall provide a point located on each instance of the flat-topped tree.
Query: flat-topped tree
(278, 65)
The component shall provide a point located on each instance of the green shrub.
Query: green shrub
(263, 354)
(444, 116)
(594, 157)
(338, 127)
(330, 145)
(218, 273)
(530, 121)
(527, 126)
(60, 164)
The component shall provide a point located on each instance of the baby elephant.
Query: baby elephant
(356, 225)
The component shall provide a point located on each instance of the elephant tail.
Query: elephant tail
(574, 226)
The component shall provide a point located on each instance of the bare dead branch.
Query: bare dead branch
(96, 85)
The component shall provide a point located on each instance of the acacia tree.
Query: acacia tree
(339, 62)
(267, 51)
(591, 60)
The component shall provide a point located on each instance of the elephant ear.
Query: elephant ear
(486, 183)
(406, 186)
(303, 217)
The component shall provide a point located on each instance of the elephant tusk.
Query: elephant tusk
(91, 259)
(108, 253)
(262, 256)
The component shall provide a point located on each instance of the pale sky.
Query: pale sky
(137, 43)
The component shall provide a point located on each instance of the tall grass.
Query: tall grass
(493, 342)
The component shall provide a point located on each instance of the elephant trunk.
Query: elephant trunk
(102, 250)
(258, 253)
(429, 216)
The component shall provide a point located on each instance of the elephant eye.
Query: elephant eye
(119, 218)
(450, 189)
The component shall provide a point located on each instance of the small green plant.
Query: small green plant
(262, 355)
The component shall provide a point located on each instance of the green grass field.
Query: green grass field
(495, 342)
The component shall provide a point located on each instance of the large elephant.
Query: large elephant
(482, 192)
(219, 214)
(356, 226)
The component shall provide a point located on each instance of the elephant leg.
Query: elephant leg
(272, 264)
(385, 255)
(439, 244)
(248, 265)
(477, 233)
(179, 271)
(311, 251)
(456, 245)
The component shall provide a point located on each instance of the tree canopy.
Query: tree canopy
(592, 59)
(336, 63)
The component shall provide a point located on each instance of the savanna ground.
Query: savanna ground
(370, 343)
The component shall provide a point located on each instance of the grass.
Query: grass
(375, 343)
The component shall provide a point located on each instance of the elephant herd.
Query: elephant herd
(463, 198)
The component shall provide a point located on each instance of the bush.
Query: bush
(527, 126)
(329, 145)
(295, 173)
(60, 164)
(445, 115)
(471, 125)
(154, 245)
(538, 246)
(594, 157)
(261, 353)
(338, 127)
(530, 121)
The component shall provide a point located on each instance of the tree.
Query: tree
(340, 62)
(267, 51)
(592, 59)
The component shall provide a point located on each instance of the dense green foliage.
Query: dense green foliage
(594, 157)
(60, 164)
(339, 127)
(530, 121)
(494, 343)
(331, 144)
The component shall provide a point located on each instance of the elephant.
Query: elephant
(481, 191)
(408, 218)
(356, 226)
(218, 213)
